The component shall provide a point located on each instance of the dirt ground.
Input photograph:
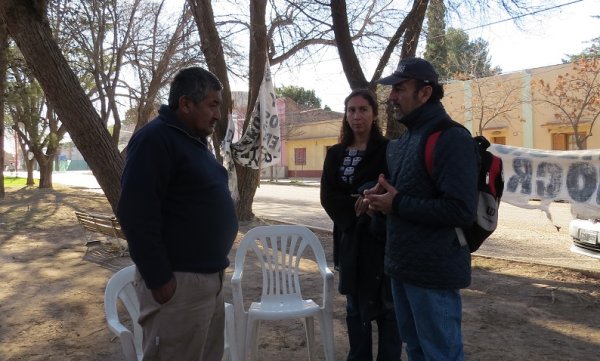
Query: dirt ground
(51, 298)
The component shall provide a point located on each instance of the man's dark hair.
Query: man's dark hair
(437, 91)
(346, 134)
(193, 83)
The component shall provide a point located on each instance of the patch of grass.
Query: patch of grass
(15, 182)
(484, 263)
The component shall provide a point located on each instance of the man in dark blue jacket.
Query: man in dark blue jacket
(423, 255)
(179, 219)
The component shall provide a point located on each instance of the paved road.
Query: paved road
(522, 234)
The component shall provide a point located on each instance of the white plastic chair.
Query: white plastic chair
(120, 286)
(279, 250)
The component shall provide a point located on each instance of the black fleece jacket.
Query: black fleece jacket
(357, 247)
(336, 196)
(422, 247)
(175, 207)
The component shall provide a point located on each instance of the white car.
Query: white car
(585, 236)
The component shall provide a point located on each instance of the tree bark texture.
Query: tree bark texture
(350, 63)
(3, 70)
(212, 49)
(248, 179)
(213, 53)
(46, 174)
(27, 24)
(258, 53)
(413, 29)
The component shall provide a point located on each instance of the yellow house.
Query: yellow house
(507, 109)
(513, 109)
(306, 134)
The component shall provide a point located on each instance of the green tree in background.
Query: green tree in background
(436, 51)
(591, 52)
(454, 55)
(303, 97)
(466, 58)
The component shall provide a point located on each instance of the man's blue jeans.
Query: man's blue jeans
(429, 321)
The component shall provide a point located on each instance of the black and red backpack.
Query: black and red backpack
(490, 185)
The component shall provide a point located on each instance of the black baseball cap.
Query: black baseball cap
(412, 68)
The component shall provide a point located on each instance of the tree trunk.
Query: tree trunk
(410, 27)
(413, 29)
(29, 166)
(46, 163)
(248, 179)
(212, 49)
(350, 63)
(45, 174)
(28, 25)
(3, 68)
(258, 53)
(213, 53)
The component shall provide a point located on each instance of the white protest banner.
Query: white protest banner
(260, 146)
(228, 162)
(548, 176)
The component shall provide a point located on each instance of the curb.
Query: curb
(312, 228)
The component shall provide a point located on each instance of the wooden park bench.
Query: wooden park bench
(106, 226)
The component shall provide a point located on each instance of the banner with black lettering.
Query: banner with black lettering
(547, 176)
(228, 162)
(260, 146)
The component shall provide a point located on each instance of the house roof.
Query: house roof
(295, 114)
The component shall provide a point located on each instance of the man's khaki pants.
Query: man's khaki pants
(188, 327)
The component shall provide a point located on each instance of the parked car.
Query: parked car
(585, 236)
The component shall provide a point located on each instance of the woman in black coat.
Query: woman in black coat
(350, 167)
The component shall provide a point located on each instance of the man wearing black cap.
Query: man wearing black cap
(423, 256)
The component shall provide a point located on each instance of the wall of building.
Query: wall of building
(514, 101)
(314, 137)
(314, 149)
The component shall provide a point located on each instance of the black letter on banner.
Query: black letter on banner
(555, 172)
(522, 168)
(254, 156)
(274, 142)
(598, 196)
(274, 121)
(582, 179)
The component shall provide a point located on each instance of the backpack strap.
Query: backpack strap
(492, 165)
(432, 139)
(429, 148)
(496, 181)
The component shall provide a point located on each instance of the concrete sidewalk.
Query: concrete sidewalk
(310, 182)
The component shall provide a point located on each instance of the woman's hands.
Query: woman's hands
(360, 206)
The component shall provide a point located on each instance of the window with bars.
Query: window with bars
(300, 156)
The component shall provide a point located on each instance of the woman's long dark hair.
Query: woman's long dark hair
(346, 134)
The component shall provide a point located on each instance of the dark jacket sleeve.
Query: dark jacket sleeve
(144, 184)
